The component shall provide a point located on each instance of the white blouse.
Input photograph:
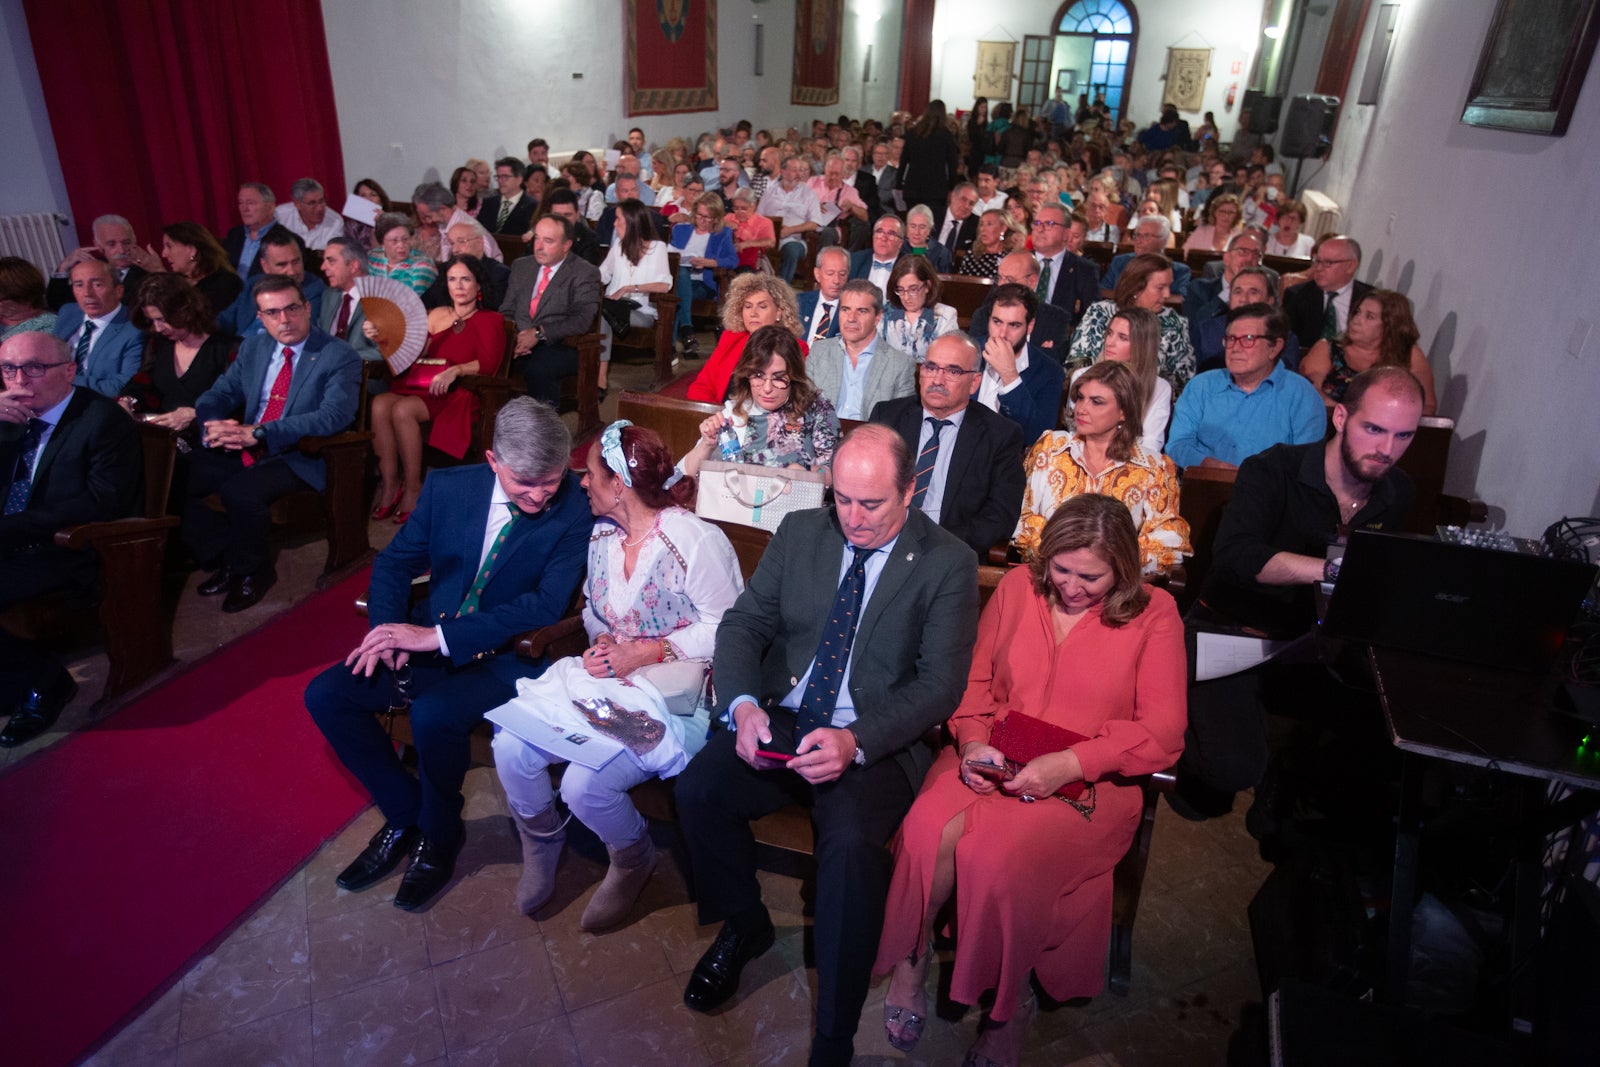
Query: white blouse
(618, 274)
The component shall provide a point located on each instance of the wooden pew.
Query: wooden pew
(965, 294)
(1203, 492)
(1286, 264)
(511, 246)
(1426, 461)
(656, 340)
(677, 421)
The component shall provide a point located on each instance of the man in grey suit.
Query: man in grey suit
(289, 381)
(342, 263)
(851, 641)
(552, 296)
(858, 370)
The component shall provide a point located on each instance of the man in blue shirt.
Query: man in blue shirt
(1251, 404)
(1149, 237)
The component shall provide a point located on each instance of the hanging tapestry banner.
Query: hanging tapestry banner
(818, 25)
(671, 63)
(1187, 70)
(992, 78)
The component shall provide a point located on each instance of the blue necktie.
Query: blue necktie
(22, 480)
(927, 459)
(81, 353)
(827, 670)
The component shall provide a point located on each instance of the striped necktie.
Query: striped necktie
(927, 459)
(81, 353)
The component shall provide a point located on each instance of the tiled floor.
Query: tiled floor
(317, 975)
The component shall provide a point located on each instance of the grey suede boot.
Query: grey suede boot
(543, 837)
(631, 867)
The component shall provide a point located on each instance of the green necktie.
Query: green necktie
(1330, 320)
(1043, 291)
(475, 594)
(505, 213)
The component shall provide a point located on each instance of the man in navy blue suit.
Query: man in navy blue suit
(105, 345)
(1020, 384)
(288, 382)
(876, 263)
(819, 307)
(282, 255)
(528, 515)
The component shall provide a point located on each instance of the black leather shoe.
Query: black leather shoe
(382, 855)
(248, 591)
(716, 976)
(37, 711)
(432, 866)
(217, 584)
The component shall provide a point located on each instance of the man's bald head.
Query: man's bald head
(1019, 268)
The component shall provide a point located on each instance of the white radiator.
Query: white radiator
(1322, 214)
(35, 237)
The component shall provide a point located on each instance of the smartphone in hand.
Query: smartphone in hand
(994, 772)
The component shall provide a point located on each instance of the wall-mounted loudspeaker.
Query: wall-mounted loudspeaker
(1308, 129)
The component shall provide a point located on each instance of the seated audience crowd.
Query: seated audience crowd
(939, 318)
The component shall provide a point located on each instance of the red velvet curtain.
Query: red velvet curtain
(160, 108)
(916, 56)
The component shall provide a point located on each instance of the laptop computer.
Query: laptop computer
(1485, 606)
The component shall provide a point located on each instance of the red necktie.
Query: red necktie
(344, 316)
(278, 398)
(544, 280)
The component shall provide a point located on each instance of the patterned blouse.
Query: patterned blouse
(981, 265)
(417, 271)
(43, 322)
(1147, 483)
(1177, 351)
(779, 441)
(913, 336)
(1340, 373)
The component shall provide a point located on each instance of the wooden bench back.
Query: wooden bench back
(160, 449)
(965, 294)
(677, 421)
(1286, 264)
(1426, 461)
(511, 246)
(1204, 492)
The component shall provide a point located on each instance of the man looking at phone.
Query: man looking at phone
(852, 639)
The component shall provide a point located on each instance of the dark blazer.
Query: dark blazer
(808, 308)
(240, 319)
(322, 397)
(912, 647)
(1203, 300)
(1051, 334)
(1075, 285)
(233, 244)
(92, 469)
(983, 487)
(938, 255)
(519, 222)
(867, 186)
(115, 355)
(494, 287)
(1035, 404)
(967, 233)
(570, 301)
(58, 294)
(861, 263)
(928, 167)
(540, 566)
(329, 318)
(886, 184)
(1306, 305)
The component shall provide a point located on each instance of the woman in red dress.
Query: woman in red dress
(468, 339)
(752, 301)
(1034, 870)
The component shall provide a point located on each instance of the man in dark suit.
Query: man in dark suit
(553, 296)
(105, 344)
(969, 476)
(797, 673)
(289, 381)
(1150, 235)
(1051, 333)
(343, 261)
(564, 202)
(114, 240)
(1321, 310)
(282, 255)
(819, 307)
(67, 455)
(243, 243)
(526, 512)
(955, 224)
(467, 238)
(1066, 279)
(1020, 385)
(875, 264)
(885, 177)
(508, 211)
(866, 185)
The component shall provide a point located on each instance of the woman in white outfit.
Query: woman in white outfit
(636, 267)
(659, 580)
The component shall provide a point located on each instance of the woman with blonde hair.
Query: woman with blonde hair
(753, 301)
(1133, 337)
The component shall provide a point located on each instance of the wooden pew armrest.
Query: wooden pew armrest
(537, 643)
(333, 443)
(101, 535)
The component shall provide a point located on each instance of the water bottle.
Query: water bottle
(728, 444)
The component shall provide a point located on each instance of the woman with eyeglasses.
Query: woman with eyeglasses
(1145, 283)
(913, 316)
(704, 247)
(395, 257)
(780, 416)
(1101, 453)
(753, 301)
(1287, 239)
(1380, 333)
(1219, 221)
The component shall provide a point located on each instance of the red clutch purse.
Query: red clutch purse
(1021, 737)
(420, 375)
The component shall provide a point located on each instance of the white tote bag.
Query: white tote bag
(753, 495)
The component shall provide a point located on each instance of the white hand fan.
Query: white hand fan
(396, 310)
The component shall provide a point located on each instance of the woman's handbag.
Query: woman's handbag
(753, 495)
(1021, 738)
(419, 377)
(619, 313)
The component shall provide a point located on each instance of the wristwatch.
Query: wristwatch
(259, 433)
(860, 758)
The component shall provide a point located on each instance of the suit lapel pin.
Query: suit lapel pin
(910, 556)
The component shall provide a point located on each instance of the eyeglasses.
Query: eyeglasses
(278, 313)
(1243, 340)
(1320, 262)
(1047, 224)
(29, 370)
(777, 381)
(910, 290)
(938, 370)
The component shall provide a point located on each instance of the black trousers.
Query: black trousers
(545, 366)
(719, 795)
(24, 576)
(237, 535)
(447, 705)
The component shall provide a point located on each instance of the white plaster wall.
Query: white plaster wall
(1230, 28)
(32, 173)
(1492, 235)
(449, 79)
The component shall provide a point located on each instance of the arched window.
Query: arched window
(1113, 27)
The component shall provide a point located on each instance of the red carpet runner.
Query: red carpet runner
(134, 845)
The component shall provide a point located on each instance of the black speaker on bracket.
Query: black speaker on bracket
(1263, 110)
(1308, 129)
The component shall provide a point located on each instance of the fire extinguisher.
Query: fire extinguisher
(1233, 90)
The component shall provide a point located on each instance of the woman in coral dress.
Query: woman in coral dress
(1078, 641)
